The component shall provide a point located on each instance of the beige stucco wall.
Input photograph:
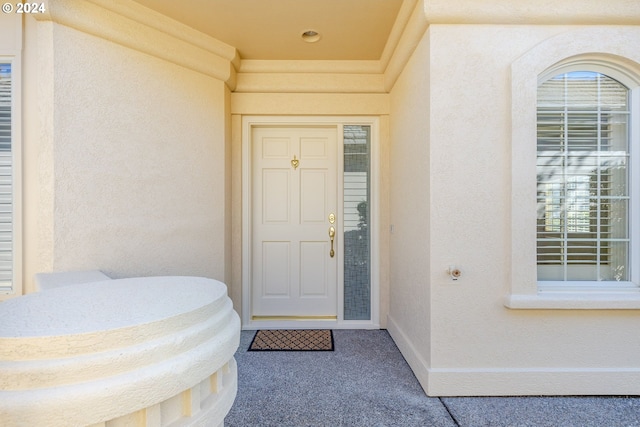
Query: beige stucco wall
(464, 340)
(126, 153)
(410, 181)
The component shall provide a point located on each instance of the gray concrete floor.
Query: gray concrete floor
(366, 382)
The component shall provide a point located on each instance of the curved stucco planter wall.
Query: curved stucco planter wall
(153, 351)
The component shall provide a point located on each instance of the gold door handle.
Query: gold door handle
(332, 235)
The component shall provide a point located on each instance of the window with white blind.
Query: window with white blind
(586, 212)
(6, 178)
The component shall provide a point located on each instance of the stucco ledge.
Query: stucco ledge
(576, 300)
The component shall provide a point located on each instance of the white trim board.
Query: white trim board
(532, 381)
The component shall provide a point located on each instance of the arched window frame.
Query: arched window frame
(599, 47)
(632, 83)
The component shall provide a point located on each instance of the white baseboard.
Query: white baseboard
(515, 381)
(534, 382)
(419, 366)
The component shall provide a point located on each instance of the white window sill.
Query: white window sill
(575, 300)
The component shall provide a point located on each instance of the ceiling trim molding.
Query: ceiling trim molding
(264, 76)
(312, 104)
(165, 24)
(407, 10)
(309, 83)
(341, 76)
(413, 29)
(309, 66)
(134, 26)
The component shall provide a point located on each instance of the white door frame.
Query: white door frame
(248, 123)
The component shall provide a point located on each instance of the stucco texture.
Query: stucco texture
(138, 150)
(467, 180)
(410, 182)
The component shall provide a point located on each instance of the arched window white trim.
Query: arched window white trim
(598, 47)
(611, 65)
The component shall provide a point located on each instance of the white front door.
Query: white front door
(294, 191)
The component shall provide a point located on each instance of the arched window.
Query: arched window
(587, 157)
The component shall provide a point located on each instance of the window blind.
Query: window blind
(582, 178)
(6, 179)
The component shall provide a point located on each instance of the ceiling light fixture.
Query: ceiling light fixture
(311, 36)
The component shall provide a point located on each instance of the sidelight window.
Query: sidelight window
(357, 241)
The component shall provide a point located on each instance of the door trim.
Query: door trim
(248, 123)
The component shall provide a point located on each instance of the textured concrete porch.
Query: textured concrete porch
(366, 382)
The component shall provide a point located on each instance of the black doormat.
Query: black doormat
(293, 340)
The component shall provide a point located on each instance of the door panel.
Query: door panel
(276, 207)
(314, 148)
(294, 182)
(275, 148)
(275, 277)
(313, 207)
(313, 269)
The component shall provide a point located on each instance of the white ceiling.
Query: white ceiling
(272, 29)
